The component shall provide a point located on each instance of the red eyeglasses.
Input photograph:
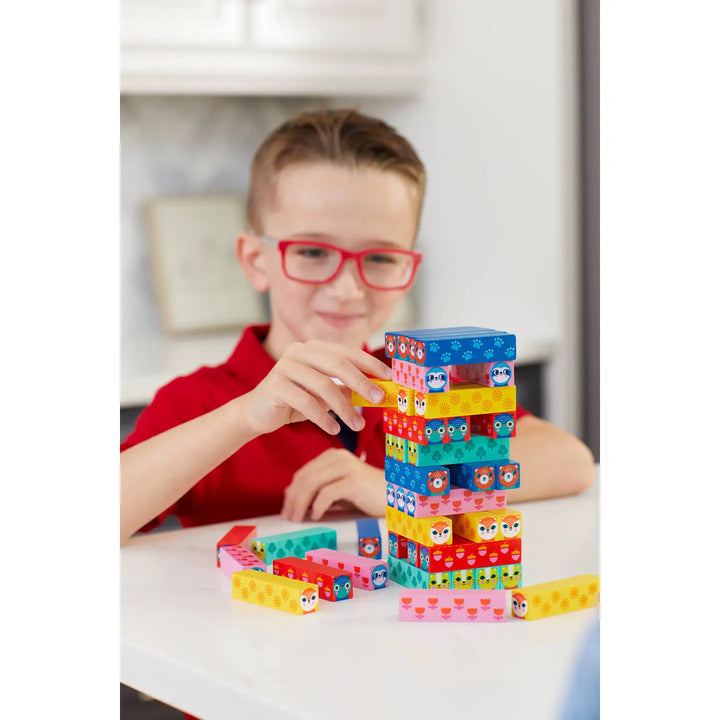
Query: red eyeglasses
(318, 263)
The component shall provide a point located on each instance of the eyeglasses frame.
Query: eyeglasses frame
(345, 255)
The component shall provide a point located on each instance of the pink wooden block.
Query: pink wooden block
(484, 373)
(413, 376)
(365, 573)
(234, 558)
(452, 605)
(457, 501)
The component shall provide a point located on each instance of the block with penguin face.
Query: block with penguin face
(495, 425)
(491, 374)
(428, 480)
(489, 525)
(424, 379)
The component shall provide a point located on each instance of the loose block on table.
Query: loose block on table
(496, 425)
(458, 500)
(476, 449)
(369, 538)
(556, 597)
(488, 525)
(273, 591)
(426, 531)
(427, 480)
(490, 374)
(426, 432)
(452, 606)
(295, 543)
(237, 535)
(234, 558)
(333, 584)
(389, 388)
(424, 379)
(450, 346)
(365, 573)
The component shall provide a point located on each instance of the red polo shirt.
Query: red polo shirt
(250, 483)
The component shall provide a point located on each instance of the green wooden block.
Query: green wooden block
(293, 544)
(478, 448)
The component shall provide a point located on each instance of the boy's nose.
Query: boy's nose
(348, 284)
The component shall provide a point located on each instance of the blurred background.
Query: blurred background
(499, 99)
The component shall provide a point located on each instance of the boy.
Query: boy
(255, 435)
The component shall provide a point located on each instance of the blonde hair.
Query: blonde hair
(343, 137)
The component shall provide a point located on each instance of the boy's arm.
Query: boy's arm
(159, 471)
(552, 462)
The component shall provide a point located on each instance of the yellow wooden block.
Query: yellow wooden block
(429, 531)
(274, 591)
(391, 395)
(553, 598)
(465, 399)
(488, 525)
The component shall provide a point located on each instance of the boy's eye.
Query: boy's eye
(309, 251)
(382, 258)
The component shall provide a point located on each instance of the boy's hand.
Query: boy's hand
(299, 387)
(334, 476)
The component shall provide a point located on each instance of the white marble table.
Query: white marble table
(188, 643)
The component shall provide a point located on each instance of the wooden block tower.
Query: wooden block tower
(447, 464)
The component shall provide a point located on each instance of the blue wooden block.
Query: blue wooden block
(450, 346)
(427, 480)
(369, 538)
(507, 476)
(474, 475)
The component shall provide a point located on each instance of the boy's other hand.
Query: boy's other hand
(334, 476)
(299, 387)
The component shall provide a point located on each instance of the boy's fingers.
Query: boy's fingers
(322, 387)
(309, 406)
(348, 365)
(305, 485)
(328, 495)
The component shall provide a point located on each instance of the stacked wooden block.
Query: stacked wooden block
(448, 465)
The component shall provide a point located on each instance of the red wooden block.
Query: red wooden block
(333, 584)
(242, 535)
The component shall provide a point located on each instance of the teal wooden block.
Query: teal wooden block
(294, 544)
(407, 575)
(476, 449)
(510, 576)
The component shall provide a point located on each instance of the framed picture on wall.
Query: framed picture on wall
(200, 285)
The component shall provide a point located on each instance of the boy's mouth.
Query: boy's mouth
(339, 320)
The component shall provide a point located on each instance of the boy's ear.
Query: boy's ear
(250, 255)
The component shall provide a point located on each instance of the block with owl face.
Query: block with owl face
(429, 480)
(333, 584)
(494, 425)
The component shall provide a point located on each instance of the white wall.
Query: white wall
(497, 128)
